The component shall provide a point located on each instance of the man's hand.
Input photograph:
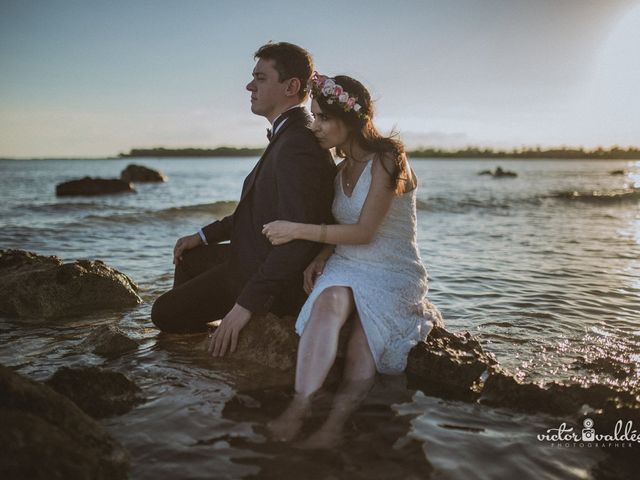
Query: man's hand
(183, 244)
(228, 331)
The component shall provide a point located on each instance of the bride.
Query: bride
(370, 269)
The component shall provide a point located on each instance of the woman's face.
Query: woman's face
(330, 132)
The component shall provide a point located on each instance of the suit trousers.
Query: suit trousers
(202, 291)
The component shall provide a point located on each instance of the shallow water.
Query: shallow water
(547, 279)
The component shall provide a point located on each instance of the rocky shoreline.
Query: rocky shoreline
(57, 420)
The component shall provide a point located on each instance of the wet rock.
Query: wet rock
(44, 435)
(270, 341)
(99, 393)
(32, 285)
(502, 389)
(617, 418)
(449, 364)
(93, 186)
(498, 173)
(267, 340)
(446, 365)
(140, 173)
(617, 172)
(108, 341)
(374, 443)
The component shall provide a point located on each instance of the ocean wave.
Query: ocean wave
(64, 207)
(600, 196)
(209, 210)
(204, 209)
(467, 204)
(464, 204)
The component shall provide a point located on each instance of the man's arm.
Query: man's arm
(305, 191)
(215, 232)
(218, 231)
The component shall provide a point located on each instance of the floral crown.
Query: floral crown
(321, 84)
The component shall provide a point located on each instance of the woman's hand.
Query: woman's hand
(315, 268)
(280, 231)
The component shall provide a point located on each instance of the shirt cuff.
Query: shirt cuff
(202, 237)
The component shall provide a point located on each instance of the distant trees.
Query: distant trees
(613, 153)
(192, 152)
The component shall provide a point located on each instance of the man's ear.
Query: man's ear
(293, 87)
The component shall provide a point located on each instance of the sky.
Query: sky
(96, 78)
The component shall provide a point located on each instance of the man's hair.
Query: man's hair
(290, 61)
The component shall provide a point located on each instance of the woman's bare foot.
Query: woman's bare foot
(324, 438)
(288, 424)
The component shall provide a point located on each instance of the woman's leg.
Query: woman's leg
(358, 378)
(316, 354)
(319, 341)
(359, 363)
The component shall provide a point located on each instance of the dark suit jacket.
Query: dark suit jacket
(293, 180)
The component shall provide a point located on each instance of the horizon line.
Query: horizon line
(423, 148)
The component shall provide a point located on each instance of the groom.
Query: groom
(293, 180)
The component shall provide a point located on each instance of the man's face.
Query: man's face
(267, 93)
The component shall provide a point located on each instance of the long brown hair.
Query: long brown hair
(363, 131)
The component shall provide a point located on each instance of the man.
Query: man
(293, 180)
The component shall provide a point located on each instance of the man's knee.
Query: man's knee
(160, 314)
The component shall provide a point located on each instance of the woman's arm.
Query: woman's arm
(374, 211)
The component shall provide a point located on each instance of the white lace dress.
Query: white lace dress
(387, 277)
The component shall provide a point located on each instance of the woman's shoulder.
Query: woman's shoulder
(388, 160)
(385, 164)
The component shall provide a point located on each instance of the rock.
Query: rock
(44, 436)
(99, 393)
(139, 173)
(108, 341)
(498, 173)
(268, 341)
(93, 186)
(266, 353)
(32, 285)
(449, 364)
(617, 172)
(501, 389)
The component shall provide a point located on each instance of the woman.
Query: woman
(370, 269)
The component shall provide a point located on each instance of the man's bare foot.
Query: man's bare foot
(288, 424)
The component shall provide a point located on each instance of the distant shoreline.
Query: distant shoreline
(613, 153)
(469, 153)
